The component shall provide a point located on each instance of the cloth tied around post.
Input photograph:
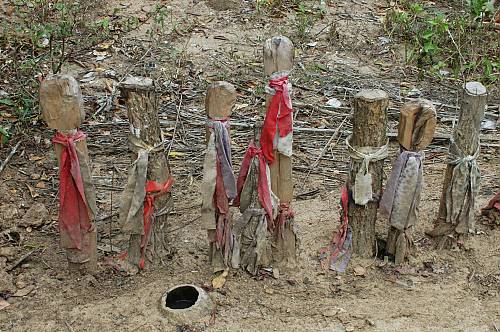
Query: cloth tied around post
(362, 189)
(277, 128)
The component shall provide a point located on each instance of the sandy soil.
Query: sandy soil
(436, 291)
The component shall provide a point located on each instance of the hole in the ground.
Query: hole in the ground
(181, 297)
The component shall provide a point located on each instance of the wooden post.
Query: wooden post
(278, 61)
(61, 104)
(452, 228)
(369, 130)
(219, 102)
(148, 157)
(417, 123)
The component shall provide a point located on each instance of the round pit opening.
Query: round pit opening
(182, 297)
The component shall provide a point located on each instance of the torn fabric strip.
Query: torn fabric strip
(362, 189)
(219, 188)
(137, 213)
(74, 218)
(401, 196)
(337, 255)
(462, 189)
(277, 128)
(264, 190)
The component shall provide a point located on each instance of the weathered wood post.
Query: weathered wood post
(367, 147)
(461, 182)
(146, 197)
(276, 142)
(61, 104)
(219, 184)
(401, 198)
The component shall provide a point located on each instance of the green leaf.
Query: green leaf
(7, 102)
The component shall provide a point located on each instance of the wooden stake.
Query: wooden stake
(466, 137)
(417, 123)
(61, 104)
(142, 110)
(278, 57)
(369, 129)
(219, 102)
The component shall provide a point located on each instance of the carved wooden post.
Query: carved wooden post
(219, 185)
(146, 198)
(461, 181)
(367, 148)
(276, 141)
(401, 198)
(61, 105)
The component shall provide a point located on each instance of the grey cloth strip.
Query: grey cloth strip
(402, 194)
(131, 211)
(223, 145)
(462, 189)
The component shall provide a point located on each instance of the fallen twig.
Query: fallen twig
(12, 152)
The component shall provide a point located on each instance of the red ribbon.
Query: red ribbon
(263, 188)
(341, 233)
(278, 113)
(153, 191)
(74, 218)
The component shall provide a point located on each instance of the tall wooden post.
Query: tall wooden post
(368, 138)
(61, 104)
(216, 191)
(461, 182)
(146, 198)
(401, 198)
(278, 62)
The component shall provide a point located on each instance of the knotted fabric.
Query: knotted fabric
(401, 196)
(264, 192)
(285, 214)
(219, 187)
(153, 191)
(363, 182)
(74, 218)
(137, 213)
(278, 122)
(462, 189)
(337, 255)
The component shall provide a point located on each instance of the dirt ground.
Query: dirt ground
(451, 290)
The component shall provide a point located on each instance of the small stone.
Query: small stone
(9, 211)
(7, 252)
(36, 216)
(6, 284)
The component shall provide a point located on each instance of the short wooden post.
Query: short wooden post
(216, 216)
(146, 198)
(278, 62)
(368, 137)
(401, 198)
(61, 104)
(461, 182)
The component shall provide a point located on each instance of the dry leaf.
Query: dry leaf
(40, 185)
(220, 280)
(23, 292)
(3, 304)
(32, 190)
(359, 271)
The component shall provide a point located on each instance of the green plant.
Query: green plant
(445, 39)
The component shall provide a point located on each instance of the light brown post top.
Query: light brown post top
(475, 89)
(372, 95)
(220, 100)
(278, 55)
(61, 102)
(417, 124)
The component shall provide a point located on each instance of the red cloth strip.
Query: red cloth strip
(263, 188)
(286, 213)
(153, 191)
(74, 218)
(279, 114)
